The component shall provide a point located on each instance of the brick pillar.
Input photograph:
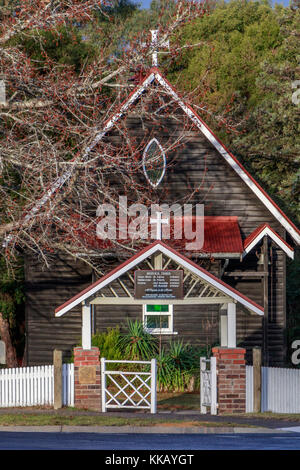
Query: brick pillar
(87, 379)
(231, 379)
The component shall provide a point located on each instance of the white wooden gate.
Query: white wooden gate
(128, 389)
(208, 385)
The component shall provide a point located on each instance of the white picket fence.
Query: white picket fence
(280, 390)
(33, 386)
(249, 390)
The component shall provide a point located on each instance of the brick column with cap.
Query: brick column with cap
(231, 379)
(87, 379)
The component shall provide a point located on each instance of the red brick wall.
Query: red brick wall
(87, 379)
(231, 379)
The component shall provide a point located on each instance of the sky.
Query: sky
(146, 3)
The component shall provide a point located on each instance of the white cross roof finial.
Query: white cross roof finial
(155, 45)
(159, 222)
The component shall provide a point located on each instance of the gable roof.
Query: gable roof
(173, 254)
(155, 75)
(265, 229)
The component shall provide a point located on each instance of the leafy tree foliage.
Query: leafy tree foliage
(66, 46)
(243, 73)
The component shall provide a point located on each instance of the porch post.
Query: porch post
(231, 325)
(231, 367)
(86, 326)
(223, 326)
(87, 380)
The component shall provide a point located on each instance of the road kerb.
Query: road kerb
(142, 429)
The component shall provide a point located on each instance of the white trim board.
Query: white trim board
(274, 237)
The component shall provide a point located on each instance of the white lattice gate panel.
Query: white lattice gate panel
(129, 389)
(208, 385)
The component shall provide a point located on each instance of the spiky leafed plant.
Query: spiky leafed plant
(185, 364)
(165, 371)
(182, 355)
(137, 344)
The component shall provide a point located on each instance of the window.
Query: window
(154, 162)
(158, 319)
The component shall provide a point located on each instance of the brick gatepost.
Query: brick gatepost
(231, 379)
(87, 379)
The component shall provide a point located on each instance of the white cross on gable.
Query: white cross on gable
(155, 45)
(159, 222)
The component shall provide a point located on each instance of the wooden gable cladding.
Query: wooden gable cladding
(121, 290)
(196, 173)
(193, 164)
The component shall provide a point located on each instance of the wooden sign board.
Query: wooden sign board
(158, 284)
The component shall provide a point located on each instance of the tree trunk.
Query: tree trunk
(11, 357)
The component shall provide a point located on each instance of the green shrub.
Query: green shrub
(107, 342)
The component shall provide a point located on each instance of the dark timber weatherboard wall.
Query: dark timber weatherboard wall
(223, 193)
(45, 290)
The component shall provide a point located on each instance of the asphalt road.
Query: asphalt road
(152, 442)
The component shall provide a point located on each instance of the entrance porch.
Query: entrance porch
(199, 288)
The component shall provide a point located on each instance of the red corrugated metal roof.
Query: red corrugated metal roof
(221, 235)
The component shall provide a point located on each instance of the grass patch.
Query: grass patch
(33, 419)
(178, 401)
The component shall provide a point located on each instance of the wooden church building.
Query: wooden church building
(236, 280)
